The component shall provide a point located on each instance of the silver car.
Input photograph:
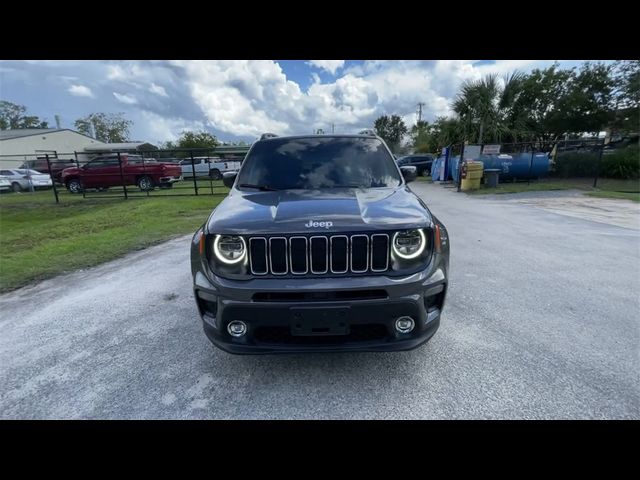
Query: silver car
(23, 179)
(5, 184)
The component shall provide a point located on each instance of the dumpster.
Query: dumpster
(471, 173)
(491, 176)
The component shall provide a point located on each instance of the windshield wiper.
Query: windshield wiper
(263, 188)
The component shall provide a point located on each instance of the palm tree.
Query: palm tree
(485, 106)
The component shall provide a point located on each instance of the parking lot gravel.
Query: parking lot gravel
(542, 321)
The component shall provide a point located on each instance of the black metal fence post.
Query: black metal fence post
(124, 184)
(193, 172)
(53, 182)
(595, 180)
(75, 154)
(144, 170)
(530, 165)
(459, 179)
(209, 163)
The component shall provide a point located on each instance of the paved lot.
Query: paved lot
(541, 322)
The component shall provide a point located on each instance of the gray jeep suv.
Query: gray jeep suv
(320, 246)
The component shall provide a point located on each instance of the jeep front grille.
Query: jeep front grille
(319, 254)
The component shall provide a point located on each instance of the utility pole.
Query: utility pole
(332, 127)
(420, 104)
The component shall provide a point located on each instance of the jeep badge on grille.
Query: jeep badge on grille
(311, 223)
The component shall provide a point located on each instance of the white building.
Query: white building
(30, 143)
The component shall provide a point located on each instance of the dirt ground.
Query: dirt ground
(573, 203)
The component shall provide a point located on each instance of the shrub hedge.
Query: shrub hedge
(623, 164)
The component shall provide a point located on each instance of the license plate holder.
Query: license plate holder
(319, 321)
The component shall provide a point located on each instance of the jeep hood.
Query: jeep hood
(289, 211)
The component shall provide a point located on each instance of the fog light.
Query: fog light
(237, 328)
(405, 324)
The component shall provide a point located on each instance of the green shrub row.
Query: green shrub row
(623, 164)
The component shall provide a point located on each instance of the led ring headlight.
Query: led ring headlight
(223, 252)
(409, 249)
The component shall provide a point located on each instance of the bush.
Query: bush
(623, 164)
(575, 164)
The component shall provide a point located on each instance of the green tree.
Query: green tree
(625, 107)
(192, 140)
(422, 139)
(189, 139)
(587, 104)
(108, 127)
(13, 116)
(486, 106)
(540, 118)
(555, 102)
(446, 131)
(391, 130)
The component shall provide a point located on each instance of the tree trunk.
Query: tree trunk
(481, 131)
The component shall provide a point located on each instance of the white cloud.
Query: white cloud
(161, 129)
(80, 91)
(331, 66)
(247, 98)
(244, 97)
(126, 71)
(158, 90)
(126, 99)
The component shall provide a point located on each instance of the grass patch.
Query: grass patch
(634, 196)
(606, 187)
(39, 239)
(520, 187)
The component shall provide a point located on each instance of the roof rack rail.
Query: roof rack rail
(369, 132)
(264, 136)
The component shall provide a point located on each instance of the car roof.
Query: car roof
(329, 135)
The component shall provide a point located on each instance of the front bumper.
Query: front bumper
(367, 319)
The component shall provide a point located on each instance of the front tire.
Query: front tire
(15, 186)
(215, 174)
(145, 183)
(74, 185)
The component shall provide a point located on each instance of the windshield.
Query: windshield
(319, 162)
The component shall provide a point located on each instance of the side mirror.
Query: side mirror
(228, 178)
(409, 173)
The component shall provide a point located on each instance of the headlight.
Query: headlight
(229, 249)
(409, 244)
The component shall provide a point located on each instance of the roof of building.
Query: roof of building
(107, 147)
(27, 132)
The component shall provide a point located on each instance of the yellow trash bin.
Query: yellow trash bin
(471, 175)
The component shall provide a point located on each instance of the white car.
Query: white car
(5, 184)
(23, 179)
(212, 167)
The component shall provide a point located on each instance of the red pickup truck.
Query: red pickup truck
(104, 172)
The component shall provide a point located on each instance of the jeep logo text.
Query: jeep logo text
(311, 223)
